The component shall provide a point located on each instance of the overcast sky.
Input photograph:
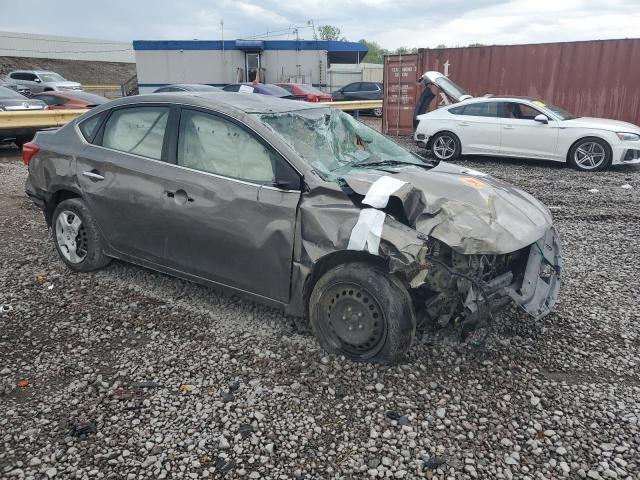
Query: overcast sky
(392, 23)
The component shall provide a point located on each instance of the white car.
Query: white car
(522, 127)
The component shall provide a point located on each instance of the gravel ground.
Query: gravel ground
(134, 374)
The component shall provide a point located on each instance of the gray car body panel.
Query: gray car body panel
(233, 226)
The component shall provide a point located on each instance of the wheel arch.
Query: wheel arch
(445, 130)
(57, 197)
(587, 137)
(330, 261)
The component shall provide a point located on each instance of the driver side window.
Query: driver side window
(212, 144)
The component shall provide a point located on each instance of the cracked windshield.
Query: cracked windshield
(333, 142)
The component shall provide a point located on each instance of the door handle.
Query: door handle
(93, 175)
(509, 127)
(179, 196)
(463, 124)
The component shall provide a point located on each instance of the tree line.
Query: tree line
(376, 52)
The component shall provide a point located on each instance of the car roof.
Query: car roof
(242, 102)
(506, 97)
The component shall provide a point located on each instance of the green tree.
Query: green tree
(405, 50)
(476, 44)
(376, 52)
(329, 32)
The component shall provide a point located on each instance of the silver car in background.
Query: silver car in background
(42, 81)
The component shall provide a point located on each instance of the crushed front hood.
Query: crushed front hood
(469, 211)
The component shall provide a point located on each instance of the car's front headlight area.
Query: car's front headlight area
(628, 137)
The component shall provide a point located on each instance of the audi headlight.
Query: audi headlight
(626, 137)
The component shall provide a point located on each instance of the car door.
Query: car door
(350, 92)
(478, 127)
(233, 204)
(124, 178)
(523, 136)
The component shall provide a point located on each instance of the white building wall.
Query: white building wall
(161, 67)
(32, 45)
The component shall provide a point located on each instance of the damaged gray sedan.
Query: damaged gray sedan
(298, 206)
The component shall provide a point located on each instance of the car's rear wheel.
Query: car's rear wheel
(77, 237)
(445, 146)
(590, 155)
(377, 112)
(362, 312)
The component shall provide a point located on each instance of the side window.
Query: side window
(456, 110)
(51, 100)
(231, 88)
(168, 89)
(527, 112)
(519, 111)
(288, 88)
(137, 130)
(90, 126)
(484, 109)
(352, 87)
(215, 145)
(369, 87)
(31, 77)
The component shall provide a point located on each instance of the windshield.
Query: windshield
(310, 89)
(275, 90)
(557, 111)
(333, 142)
(6, 93)
(51, 77)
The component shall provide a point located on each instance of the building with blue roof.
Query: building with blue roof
(218, 62)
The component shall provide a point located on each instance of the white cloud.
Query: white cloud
(392, 23)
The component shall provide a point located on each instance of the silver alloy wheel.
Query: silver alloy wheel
(377, 112)
(444, 147)
(589, 155)
(71, 236)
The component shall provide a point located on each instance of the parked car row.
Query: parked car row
(53, 95)
(37, 81)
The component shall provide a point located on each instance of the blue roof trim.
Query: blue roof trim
(328, 45)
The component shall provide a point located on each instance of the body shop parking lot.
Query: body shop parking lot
(131, 372)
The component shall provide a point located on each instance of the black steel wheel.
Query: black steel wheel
(362, 312)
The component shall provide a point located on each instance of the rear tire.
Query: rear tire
(362, 312)
(77, 237)
(445, 146)
(377, 112)
(590, 154)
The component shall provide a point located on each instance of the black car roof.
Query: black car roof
(244, 102)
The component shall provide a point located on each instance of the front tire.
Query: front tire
(362, 312)
(377, 112)
(77, 237)
(590, 154)
(445, 146)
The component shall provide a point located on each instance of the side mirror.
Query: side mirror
(541, 118)
(37, 80)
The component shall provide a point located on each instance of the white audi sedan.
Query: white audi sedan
(528, 128)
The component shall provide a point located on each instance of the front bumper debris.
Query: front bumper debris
(538, 292)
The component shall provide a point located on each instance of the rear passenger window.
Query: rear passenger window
(137, 130)
(484, 109)
(212, 144)
(90, 126)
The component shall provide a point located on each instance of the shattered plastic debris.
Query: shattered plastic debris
(5, 308)
(82, 429)
(186, 388)
(41, 279)
(593, 190)
(626, 186)
(23, 383)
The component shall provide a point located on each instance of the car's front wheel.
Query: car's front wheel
(445, 146)
(77, 237)
(590, 154)
(377, 112)
(362, 312)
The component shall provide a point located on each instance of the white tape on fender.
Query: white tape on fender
(379, 192)
(367, 231)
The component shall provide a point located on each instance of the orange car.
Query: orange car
(70, 100)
